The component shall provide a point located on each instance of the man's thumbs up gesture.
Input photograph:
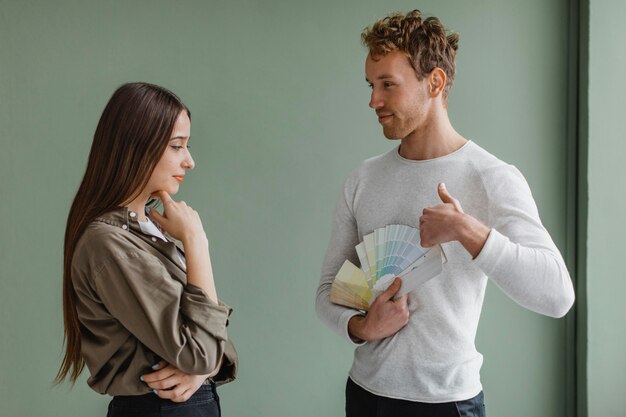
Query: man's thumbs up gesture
(448, 222)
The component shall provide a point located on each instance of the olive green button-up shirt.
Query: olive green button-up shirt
(135, 307)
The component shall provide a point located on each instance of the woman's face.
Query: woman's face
(169, 172)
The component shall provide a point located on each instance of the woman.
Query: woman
(142, 314)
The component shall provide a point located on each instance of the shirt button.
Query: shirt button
(132, 214)
(124, 227)
(154, 239)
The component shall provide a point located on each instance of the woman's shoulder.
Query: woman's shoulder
(104, 236)
(102, 243)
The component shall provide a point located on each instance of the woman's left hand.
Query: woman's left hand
(173, 384)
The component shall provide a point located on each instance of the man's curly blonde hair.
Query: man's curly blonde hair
(423, 40)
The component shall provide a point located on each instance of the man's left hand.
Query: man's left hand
(448, 222)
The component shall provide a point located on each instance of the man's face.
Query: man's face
(400, 100)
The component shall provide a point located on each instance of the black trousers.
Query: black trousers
(362, 403)
(203, 403)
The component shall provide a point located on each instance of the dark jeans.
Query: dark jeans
(362, 403)
(203, 403)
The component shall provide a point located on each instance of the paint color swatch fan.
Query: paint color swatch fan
(388, 252)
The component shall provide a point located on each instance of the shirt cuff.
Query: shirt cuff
(344, 319)
(204, 312)
(489, 257)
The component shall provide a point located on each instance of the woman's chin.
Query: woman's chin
(173, 190)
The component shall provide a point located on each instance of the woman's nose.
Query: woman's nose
(189, 163)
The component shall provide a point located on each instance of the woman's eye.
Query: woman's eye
(387, 85)
(176, 147)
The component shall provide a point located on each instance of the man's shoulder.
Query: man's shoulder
(371, 167)
(497, 177)
(482, 158)
(375, 163)
(487, 165)
(379, 160)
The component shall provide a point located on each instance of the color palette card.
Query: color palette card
(388, 252)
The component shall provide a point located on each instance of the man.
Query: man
(415, 354)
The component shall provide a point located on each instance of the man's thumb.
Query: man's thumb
(392, 289)
(445, 196)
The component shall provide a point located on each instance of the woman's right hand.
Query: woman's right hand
(183, 223)
(178, 219)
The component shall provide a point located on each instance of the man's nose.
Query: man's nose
(375, 101)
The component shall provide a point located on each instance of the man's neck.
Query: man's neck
(436, 140)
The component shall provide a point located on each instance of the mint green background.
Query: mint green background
(279, 118)
(606, 227)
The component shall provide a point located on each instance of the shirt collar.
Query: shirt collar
(126, 219)
(120, 217)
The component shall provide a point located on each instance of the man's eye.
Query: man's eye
(370, 86)
(387, 84)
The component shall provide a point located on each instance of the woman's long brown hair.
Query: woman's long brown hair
(132, 134)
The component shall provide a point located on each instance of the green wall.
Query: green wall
(606, 224)
(280, 116)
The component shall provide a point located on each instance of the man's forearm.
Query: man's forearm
(472, 234)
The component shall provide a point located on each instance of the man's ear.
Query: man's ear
(436, 81)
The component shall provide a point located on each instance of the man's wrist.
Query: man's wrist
(472, 234)
(356, 328)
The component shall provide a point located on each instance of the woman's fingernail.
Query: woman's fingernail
(155, 391)
(141, 378)
(156, 365)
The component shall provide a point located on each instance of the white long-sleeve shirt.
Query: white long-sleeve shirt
(434, 358)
